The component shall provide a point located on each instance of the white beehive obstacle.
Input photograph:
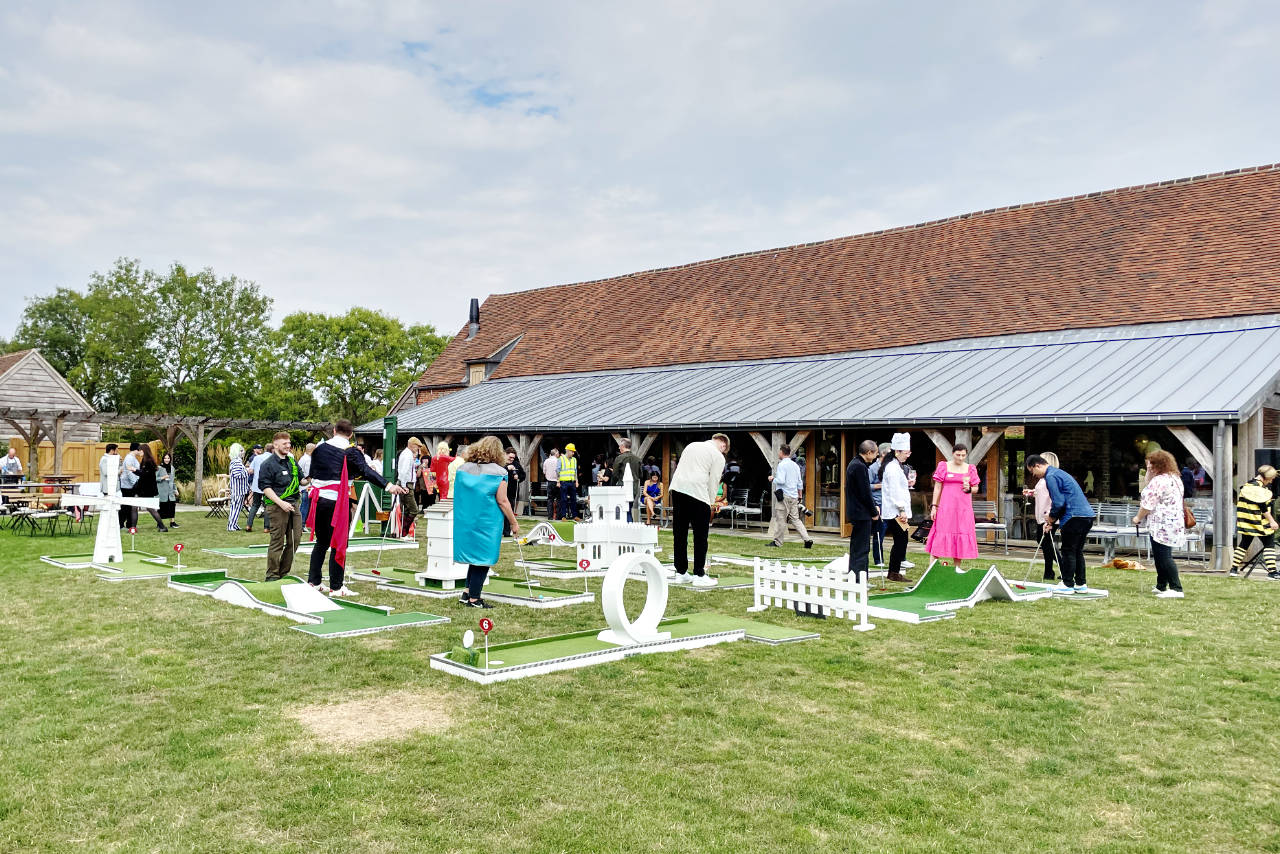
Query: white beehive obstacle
(805, 588)
(440, 564)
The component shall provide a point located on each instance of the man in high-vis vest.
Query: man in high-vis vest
(569, 482)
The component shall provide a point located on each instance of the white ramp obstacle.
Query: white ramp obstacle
(805, 587)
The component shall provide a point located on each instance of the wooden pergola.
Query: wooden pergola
(36, 425)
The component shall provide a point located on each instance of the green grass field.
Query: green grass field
(136, 718)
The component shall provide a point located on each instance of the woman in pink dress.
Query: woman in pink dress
(953, 537)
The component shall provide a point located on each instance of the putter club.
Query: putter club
(520, 547)
(1032, 562)
(395, 502)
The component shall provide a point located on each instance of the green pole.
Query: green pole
(388, 458)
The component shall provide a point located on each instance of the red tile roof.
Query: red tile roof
(8, 360)
(1190, 248)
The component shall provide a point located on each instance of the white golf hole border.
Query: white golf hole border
(622, 630)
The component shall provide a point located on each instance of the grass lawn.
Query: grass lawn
(136, 718)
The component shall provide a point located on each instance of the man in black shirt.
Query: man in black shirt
(860, 507)
(326, 475)
(279, 478)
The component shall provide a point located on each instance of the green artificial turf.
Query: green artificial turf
(131, 560)
(141, 719)
(260, 549)
(939, 584)
(358, 620)
(577, 643)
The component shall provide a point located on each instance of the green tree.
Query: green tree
(57, 325)
(356, 363)
(118, 371)
(206, 337)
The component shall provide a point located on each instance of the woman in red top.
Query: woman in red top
(440, 468)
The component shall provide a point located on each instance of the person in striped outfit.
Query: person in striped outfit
(239, 476)
(1254, 521)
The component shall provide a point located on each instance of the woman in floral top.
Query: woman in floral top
(1162, 502)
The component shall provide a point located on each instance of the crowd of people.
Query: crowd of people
(297, 495)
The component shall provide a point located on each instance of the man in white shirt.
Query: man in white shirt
(406, 471)
(107, 466)
(787, 481)
(11, 468)
(692, 491)
(551, 474)
(304, 467)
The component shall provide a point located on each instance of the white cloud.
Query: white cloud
(407, 156)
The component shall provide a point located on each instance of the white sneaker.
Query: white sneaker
(1082, 588)
(1062, 588)
(1156, 590)
(906, 564)
(324, 588)
(703, 581)
(679, 578)
(344, 592)
(879, 565)
(1170, 594)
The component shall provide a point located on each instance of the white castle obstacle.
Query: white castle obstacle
(804, 588)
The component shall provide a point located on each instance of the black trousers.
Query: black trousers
(324, 536)
(553, 499)
(128, 514)
(860, 546)
(475, 580)
(688, 513)
(898, 552)
(568, 499)
(168, 509)
(1166, 569)
(1046, 548)
(1074, 532)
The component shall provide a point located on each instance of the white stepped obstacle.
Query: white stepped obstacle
(440, 564)
(601, 543)
(803, 587)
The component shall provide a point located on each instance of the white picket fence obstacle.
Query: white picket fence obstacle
(804, 588)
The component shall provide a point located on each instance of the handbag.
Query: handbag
(1188, 518)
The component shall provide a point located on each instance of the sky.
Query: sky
(407, 156)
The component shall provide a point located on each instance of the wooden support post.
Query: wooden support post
(845, 528)
(59, 440)
(988, 441)
(527, 453)
(1199, 452)
(666, 461)
(941, 442)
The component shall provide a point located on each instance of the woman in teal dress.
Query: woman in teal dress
(479, 504)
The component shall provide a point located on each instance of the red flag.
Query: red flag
(341, 518)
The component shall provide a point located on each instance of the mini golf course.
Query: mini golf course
(520, 659)
(289, 597)
(942, 590)
(133, 560)
(532, 594)
(355, 544)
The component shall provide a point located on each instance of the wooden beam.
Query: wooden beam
(59, 442)
(766, 448)
(985, 444)
(940, 442)
(1194, 446)
(641, 446)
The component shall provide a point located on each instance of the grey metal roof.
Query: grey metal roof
(1180, 372)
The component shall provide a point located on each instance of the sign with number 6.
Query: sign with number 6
(486, 625)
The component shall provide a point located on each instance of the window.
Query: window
(476, 374)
